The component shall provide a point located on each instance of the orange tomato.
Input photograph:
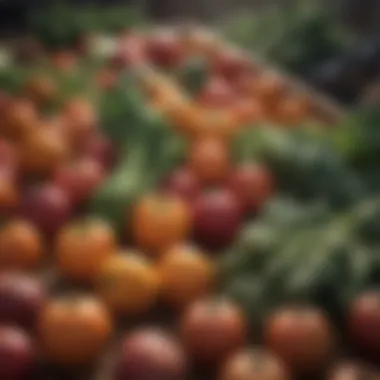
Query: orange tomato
(292, 110)
(74, 330)
(82, 247)
(40, 89)
(128, 284)
(159, 221)
(209, 159)
(249, 111)
(21, 246)
(187, 274)
(269, 88)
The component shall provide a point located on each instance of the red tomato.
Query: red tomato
(252, 184)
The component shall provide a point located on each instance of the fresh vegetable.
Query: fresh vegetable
(74, 330)
(150, 353)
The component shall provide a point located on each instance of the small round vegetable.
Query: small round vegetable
(43, 151)
(253, 364)
(21, 298)
(212, 329)
(128, 284)
(187, 274)
(82, 247)
(252, 184)
(17, 354)
(364, 323)
(79, 179)
(21, 246)
(209, 159)
(217, 218)
(150, 354)
(47, 206)
(302, 337)
(352, 371)
(74, 330)
(160, 221)
(182, 183)
(40, 89)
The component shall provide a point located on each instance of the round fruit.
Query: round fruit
(183, 184)
(209, 159)
(21, 298)
(128, 284)
(150, 354)
(21, 246)
(79, 179)
(253, 364)
(217, 218)
(160, 221)
(187, 274)
(40, 89)
(43, 151)
(364, 322)
(302, 337)
(17, 354)
(82, 247)
(352, 371)
(213, 329)
(74, 330)
(252, 184)
(47, 206)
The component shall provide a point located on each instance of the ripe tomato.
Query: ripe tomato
(253, 364)
(249, 111)
(160, 221)
(21, 246)
(82, 247)
(128, 284)
(252, 184)
(74, 330)
(213, 329)
(270, 89)
(364, 322)
(209, 159)
(187, 274)
(302, 337)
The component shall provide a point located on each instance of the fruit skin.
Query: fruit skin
(160, 221)
(47, 206)
(187, 274)
(22, 297)
(217, 218)
(302, 337)
(212, 329)
(253, 364)
(21, 246)
(363, 323)
(128, 284)
(253, 185)
(150, 354)
(82, 247)
(17, 354)
(74, 330)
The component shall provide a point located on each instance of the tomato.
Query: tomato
(74, 330)
(253, 185)
(128, 283)
(302, 337)
(43, 151)
(187, 274)
(253, 364)
(218, 217)
(21, 246)
(217, 93)
(150, 354)
(159, 221)
(212, 329)
(292, 110)
(40, 89)
(249, 111)
(209, 159)
(22, 297)
(9, 193)
(79, 179)
(20, 118)
(9, 158)
(182, 183)
(17, 354)
(364, 321)
(82, 247)
(270, 89)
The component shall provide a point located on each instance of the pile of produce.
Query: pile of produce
(172, 205)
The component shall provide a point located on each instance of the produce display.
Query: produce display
(172, 209)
